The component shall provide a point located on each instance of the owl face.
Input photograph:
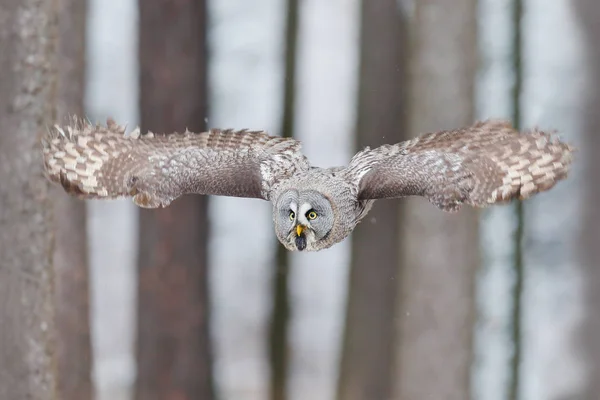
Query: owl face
(303, 219)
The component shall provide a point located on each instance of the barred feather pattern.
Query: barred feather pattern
(486, 163)
(94, 161)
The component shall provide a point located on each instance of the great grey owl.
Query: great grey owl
(313, 208)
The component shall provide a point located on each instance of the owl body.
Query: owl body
(313, 208)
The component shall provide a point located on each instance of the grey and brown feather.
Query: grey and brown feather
(483, 164)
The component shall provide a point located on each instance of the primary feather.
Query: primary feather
(93, 161)
(483, 164)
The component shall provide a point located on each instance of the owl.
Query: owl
(313, 208)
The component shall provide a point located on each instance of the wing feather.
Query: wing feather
(93, 161)
(479, 165)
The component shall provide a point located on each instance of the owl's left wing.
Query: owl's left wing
(483, 164)
(92, 161)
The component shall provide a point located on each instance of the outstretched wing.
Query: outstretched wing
(101, 162)
(483, 164)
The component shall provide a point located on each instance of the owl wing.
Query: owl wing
(101, 162)
(483, 164)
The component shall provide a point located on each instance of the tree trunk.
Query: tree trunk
(440, 251)
(514, 384)
(367, 358)
(27, 98)
(74, 353)
(173, 352)
(589, 13)
(280, 316)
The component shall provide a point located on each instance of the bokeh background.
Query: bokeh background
(199, 300)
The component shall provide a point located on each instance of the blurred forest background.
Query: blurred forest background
(198, 301)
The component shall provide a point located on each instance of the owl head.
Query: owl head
(303, 219)
(314, 214)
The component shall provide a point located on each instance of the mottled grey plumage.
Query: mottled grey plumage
(313, 208)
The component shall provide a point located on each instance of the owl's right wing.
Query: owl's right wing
(486, 163)
(92, 161)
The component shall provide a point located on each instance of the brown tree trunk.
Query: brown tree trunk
(367, 355)
(514, 385)
(435, 311)
(27, 98)
(173, 352)
(74, 351)
(280, 316)
(589, 14)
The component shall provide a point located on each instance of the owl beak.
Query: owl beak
(300, 237)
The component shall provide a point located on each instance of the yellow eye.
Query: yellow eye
(292, 215)
(311, 215)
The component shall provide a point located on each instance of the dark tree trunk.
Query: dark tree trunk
(27, 99)
(74, 351)
(280, 317)
(589, 14)
(367, 357)
(173, 351)
(518, 266)
(440, 251)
